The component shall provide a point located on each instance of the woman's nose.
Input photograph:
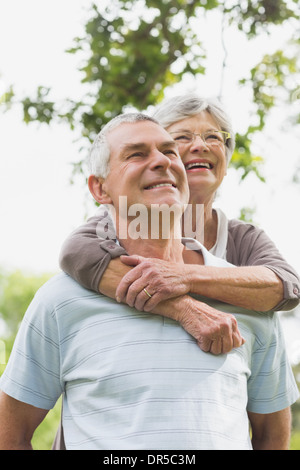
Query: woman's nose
(199, 144)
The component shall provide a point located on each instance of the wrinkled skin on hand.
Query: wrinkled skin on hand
(163, 280)
(215, 331)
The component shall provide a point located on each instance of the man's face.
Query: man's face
(145, 166)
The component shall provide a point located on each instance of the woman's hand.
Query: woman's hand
(151, 281)
(215, 331)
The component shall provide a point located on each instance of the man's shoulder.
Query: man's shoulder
(59, 289)
(59, 282)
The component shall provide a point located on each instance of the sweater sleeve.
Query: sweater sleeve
(250, 246)
(86, 253)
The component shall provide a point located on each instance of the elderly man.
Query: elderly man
(132, 380)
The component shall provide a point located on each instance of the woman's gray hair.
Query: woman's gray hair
(180, 107)
(98, 159)
(168, 112)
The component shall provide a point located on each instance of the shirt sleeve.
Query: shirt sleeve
(271, 386)
(250, 246)
(87, 252)
(32, 374)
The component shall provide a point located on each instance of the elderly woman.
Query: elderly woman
(260, 280)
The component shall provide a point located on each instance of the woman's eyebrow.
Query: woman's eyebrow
(188, 130)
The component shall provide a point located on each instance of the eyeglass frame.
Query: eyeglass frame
(194, 134)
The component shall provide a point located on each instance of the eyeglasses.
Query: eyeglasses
(210, 138)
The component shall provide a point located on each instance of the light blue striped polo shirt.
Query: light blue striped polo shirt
(133, 380)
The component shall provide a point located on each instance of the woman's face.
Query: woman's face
(205, 163)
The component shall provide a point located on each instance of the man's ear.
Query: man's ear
(97, 190)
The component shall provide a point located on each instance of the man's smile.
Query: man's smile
(161, 184)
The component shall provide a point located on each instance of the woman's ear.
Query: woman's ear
(97, 190)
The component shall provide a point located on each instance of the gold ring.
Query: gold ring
(146, 292)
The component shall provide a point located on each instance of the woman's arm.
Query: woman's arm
(86, 252)
(85, 256)
(94, 262)
(215, 331)
(252, 288)
(248, 245)
(262, 279)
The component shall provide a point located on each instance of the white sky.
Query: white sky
(38, 206)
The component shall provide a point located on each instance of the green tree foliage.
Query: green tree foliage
(132, 50)
(17, 289)
(254, 16)
(279, 71)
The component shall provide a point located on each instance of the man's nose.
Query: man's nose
(160, 160)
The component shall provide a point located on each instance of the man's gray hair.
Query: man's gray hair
(181, 107)
(98, 160)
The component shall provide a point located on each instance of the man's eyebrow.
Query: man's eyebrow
(128, 147)
(133, 146)
(168, 143)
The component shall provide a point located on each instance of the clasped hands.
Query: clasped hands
(156, 286)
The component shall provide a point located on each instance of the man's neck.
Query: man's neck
(156, 243)
(169, 250)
